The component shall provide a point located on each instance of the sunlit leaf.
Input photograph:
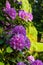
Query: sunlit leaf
(1, 63)
(9, 50)
(27, 6)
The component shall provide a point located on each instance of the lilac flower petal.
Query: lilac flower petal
(37, 62)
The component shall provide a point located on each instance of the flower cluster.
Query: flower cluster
(19, 41)
(25, 16)
(12, 13)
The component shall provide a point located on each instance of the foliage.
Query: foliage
(9, 54)
(37, 13)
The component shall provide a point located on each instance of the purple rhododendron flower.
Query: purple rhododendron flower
(31, 59)
(21, 63)
(25, 16)
(18, 42)
(37, 62)
(10, 11)
(19, 29)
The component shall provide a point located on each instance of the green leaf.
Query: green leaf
(26, 5)
(1, 30)
(1, 41)
(31, 32)
(39, 47)
(1, 63)
(19, 59)
(36, 46)
(9, 50)
(12, 60)
(21, 53)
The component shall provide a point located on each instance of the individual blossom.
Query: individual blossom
(31, 59)
(19, 29)
(37, 62)
(21, 63)
(25, 16)
(10, 11)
